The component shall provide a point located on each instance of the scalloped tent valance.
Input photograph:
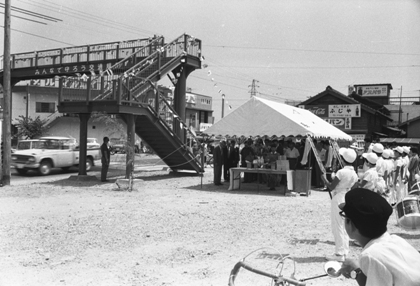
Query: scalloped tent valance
(262, 117)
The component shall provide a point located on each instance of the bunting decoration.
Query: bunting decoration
(209, 73)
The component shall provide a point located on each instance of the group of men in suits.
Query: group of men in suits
(225, 156)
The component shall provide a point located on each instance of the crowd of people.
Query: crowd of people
(366, 185)
(371, 183)
(260, 153)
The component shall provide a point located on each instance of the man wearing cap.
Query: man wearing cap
(344, 179)
(385, 260)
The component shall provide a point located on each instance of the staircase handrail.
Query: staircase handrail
(158, 52)
(172, 110)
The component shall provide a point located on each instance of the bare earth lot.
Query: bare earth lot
(170, 231)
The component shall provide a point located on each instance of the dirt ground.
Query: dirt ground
(171, 230)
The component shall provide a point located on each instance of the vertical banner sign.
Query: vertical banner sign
(318, 159)
(347, 123)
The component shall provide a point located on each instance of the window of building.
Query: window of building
(45, 107)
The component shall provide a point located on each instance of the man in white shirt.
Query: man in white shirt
(386, 260)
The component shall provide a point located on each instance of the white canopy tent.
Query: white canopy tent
(262, 117)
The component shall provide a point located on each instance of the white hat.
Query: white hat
(355, 146)
(406, 149)
(348, 154)
(399, 149)
(370, 157)
(378, 148)
(391, 153)
(386, 153)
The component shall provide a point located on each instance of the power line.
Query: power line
(313, 67)
(33, 14)
(39, 36)
(309, 50)
(27, 19)
(91, 18)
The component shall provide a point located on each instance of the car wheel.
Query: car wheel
(45, 168)
(21, 171)
(89, 164)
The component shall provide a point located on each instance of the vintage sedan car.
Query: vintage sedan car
(54, 152)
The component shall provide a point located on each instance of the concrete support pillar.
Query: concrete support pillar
(84, 118)
(131, 140)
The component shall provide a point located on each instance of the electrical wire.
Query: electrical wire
(27, 19)
(38, 36)
(309, 50)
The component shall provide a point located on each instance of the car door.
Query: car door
(64, 154)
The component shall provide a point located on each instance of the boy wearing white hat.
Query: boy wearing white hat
(344, 179)
(370, 178)
(398, 174)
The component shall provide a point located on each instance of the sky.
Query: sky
(294, 49)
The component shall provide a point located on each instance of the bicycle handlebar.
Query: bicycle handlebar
(240, 264)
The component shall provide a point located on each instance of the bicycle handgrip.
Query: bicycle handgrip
(240, 264)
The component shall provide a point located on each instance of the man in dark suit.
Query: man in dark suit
(232, 158)
(226, 166)
(218, 163)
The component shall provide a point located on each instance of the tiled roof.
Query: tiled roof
(331, 91)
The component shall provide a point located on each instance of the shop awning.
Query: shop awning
(392, 128)
(401, 140)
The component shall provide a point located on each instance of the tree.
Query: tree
(29, 128)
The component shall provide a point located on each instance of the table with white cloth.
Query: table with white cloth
(235, 175)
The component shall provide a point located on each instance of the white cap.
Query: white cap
(370, 157)
(386, 153)
(378, 148)
(348, 154)
(355, 146)
(399, 149)
(406, 149)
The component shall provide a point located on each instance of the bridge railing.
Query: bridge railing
(84, 54)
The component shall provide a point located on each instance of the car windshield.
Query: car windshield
(25, 145)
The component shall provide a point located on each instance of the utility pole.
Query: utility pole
(400, 111)
(7, 96)
(254, 86)
(223, 105)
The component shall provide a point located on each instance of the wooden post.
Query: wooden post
(84, 118)
(7, 98)
(131, 134)
(60, 90)
(88, 90)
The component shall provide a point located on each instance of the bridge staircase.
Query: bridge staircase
(128, 86)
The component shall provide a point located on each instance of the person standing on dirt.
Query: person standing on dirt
(105, 159)
(344, 179)
(218, 163)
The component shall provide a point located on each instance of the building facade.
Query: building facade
(358, 119)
